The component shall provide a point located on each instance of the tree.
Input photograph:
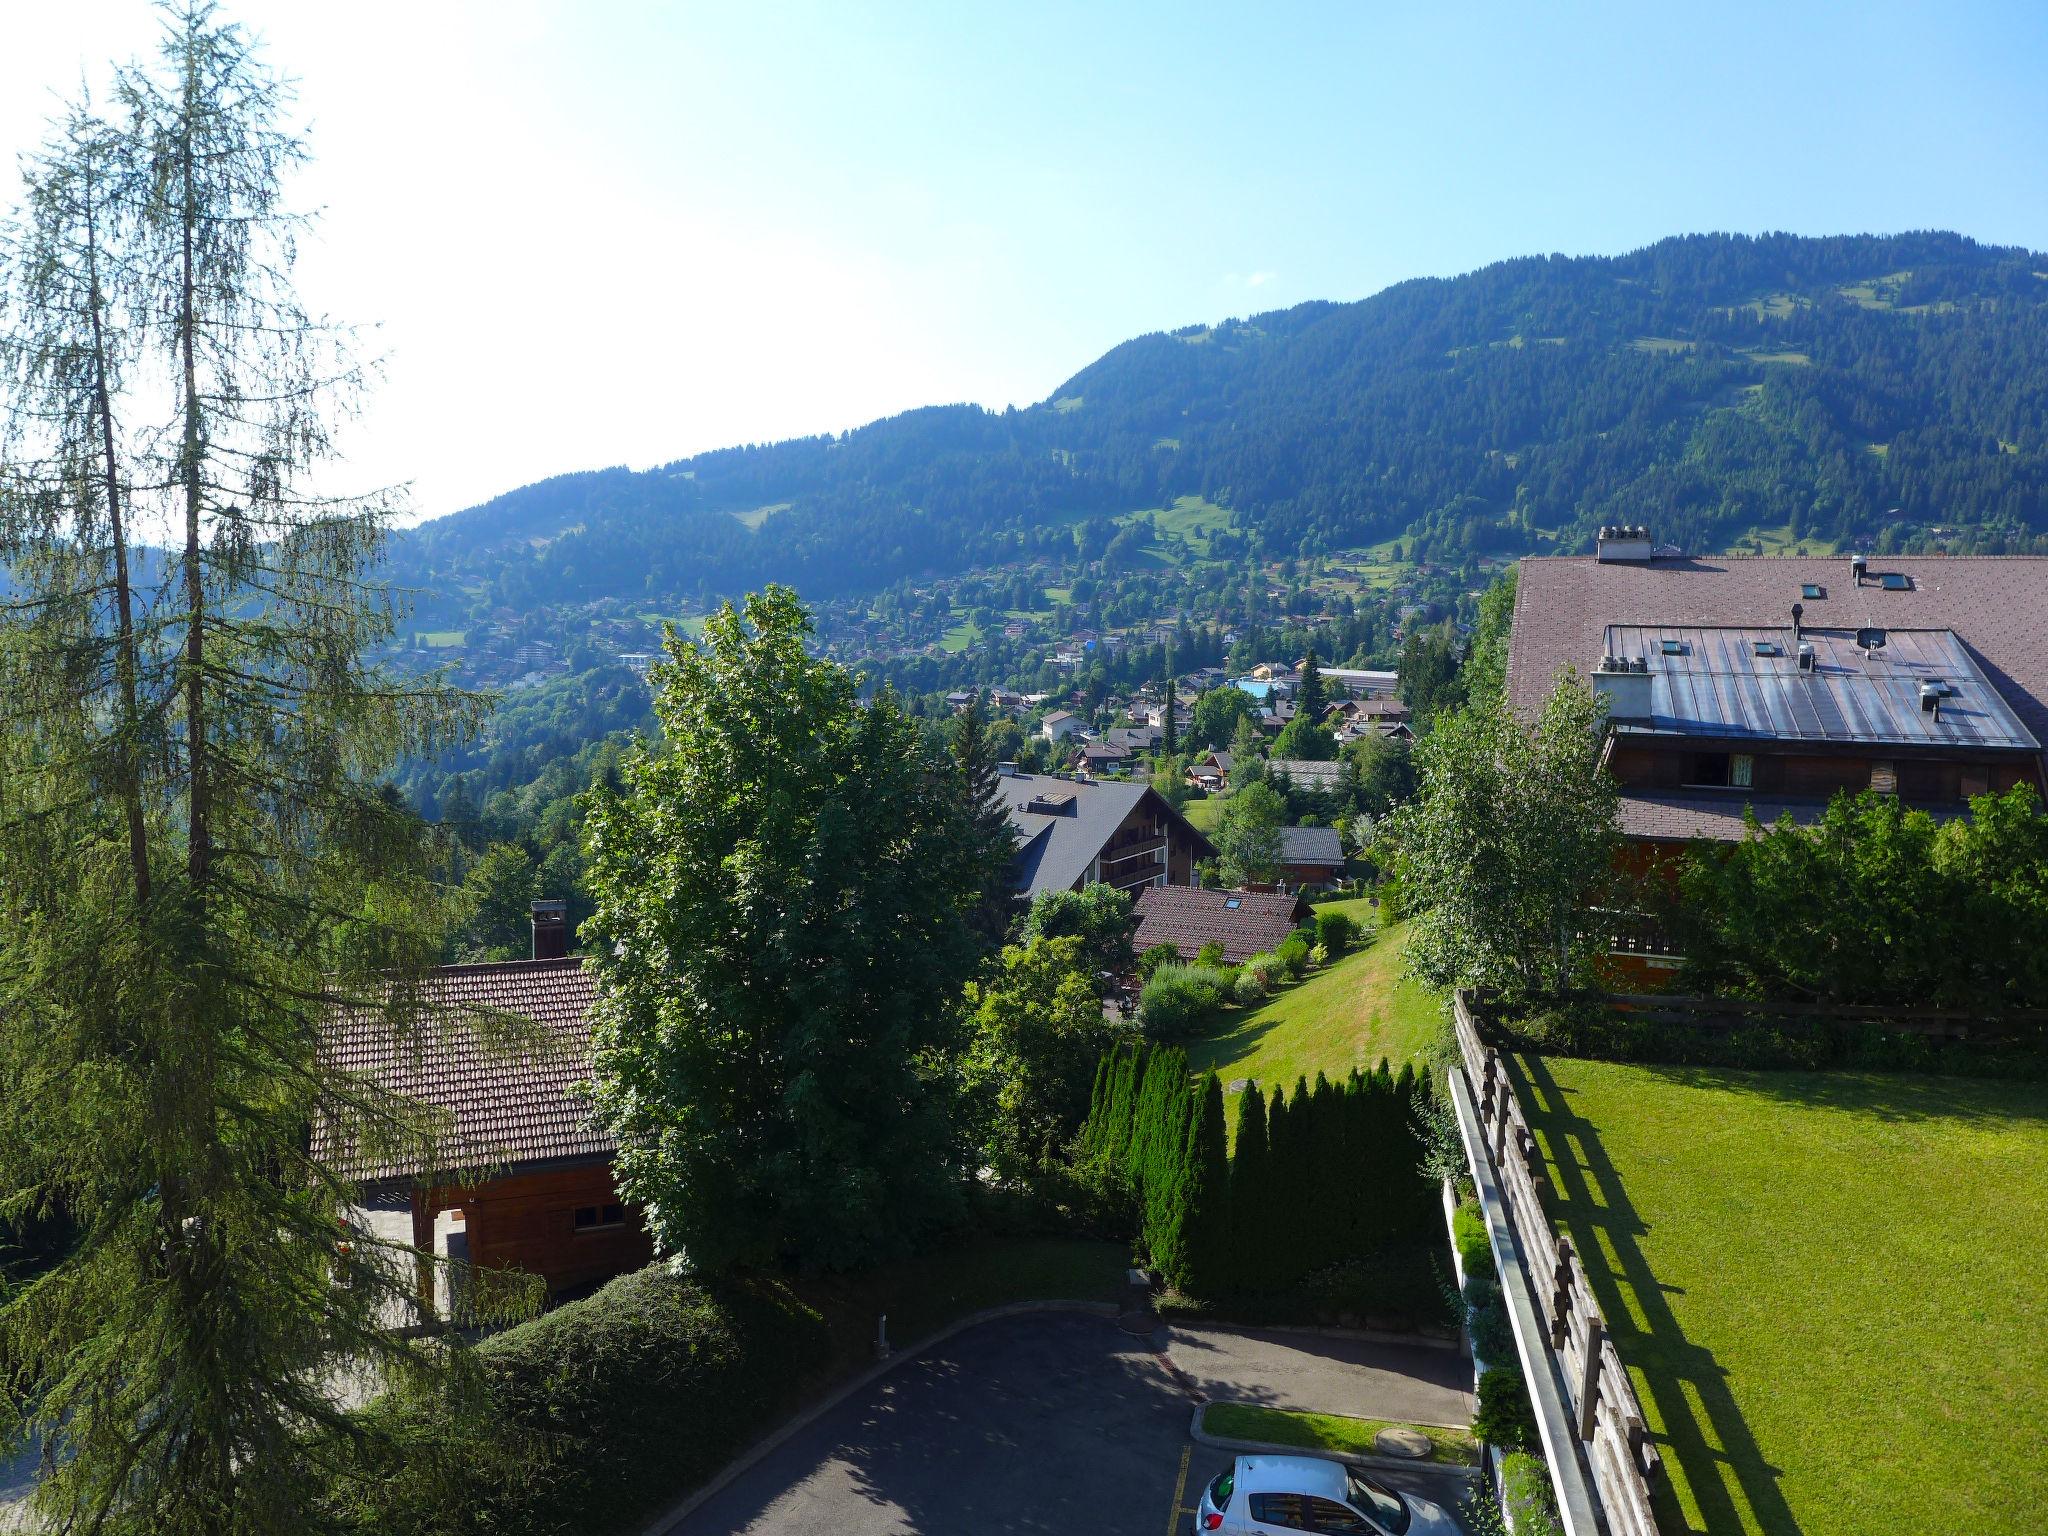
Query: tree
(1170, 742)
(1038, 1030)
(1486, 664)
(201, 861)
(1312, 694)
(1386, 772)
(1249, 837)
(781, 912)
(1216, 716)
(1250, 1194)
(1429, 675)
(994, 844)
(1099, 915)
(1205, 1251)
(1302, 739)
(1247, 753)
(1509, 840)
(501, 887)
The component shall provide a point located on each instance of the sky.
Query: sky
(595, 233)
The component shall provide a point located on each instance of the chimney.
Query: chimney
(1623, 543)
(550, 930)
(1798, 613)
(1857, 566)
(1624, 682)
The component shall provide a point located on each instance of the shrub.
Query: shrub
(1525, 1486)
(1178, 999)
(1469, 1237)
(1153, 958)
(1482, 1287)
(1505, 1416)
(1319, 956)
(1270, 969)
(1305, 935)
(1210, 953)
(1493, 1336)
(1294, 955)
(1336, 931)
(616, 1403)
(1250, 989)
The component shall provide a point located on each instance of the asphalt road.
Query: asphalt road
(1053, 1422)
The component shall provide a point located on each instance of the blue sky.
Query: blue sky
(617, 233)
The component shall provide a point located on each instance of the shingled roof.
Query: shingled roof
(1312, 845)
(1245, 923)
(506, 1113)
(1994, 604)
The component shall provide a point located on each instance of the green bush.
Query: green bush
(1178, 1000)
(1270, 969)
(1250, 989)
(601, 1410)
(1482, 1287)
(1469, 1236)
(1155, 957)
(1294, 955)
(1336, 931)
(1493, 1336)
(1210, 953)
(1525, 1485)
(1505, 1417)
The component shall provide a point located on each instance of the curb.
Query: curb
(1202, 1436)
(1359, 1335)
(667, 1523)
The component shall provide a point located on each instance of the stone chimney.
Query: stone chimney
(550, 930)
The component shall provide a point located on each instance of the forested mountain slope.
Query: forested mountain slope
(1885, 390)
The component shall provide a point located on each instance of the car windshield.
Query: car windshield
(1219, 1491)
(1387, 1508)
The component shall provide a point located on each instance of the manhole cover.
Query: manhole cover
(1238, 1084)
(1410, 1444)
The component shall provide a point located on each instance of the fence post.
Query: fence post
(1561, 1294)
(1589, 1375)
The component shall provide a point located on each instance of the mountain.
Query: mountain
(1884, 390)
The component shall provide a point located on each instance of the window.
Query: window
(1220, 1490)
(1811, 589)
(1895, 581)
(1387, 1508)
(1280, 1509)
(1705, 770)
(596, 1218)
(1329, 1515)
(1233, 904)
(1672, 647)
(1741, 770)
(1769, 648)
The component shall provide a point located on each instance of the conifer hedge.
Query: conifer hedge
(1321, 1178)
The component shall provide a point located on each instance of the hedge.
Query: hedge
(600, 1411)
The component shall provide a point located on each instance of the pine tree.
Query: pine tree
(1172, 737)
(1312, 694)
(201, 861)
(1205, 1251)
(992, 846)
(1249, 1183)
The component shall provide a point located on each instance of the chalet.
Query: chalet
(526, 1178)
(1211, 773)
(1059, 725)
(1352, 718)
(1245, 923)
(1072, 833)
(1143, 738)
(1776, 683)
(1103, 757)
(1311, 857)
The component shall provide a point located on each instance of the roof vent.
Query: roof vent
(1624, 682)
(1857, 566)
(1623, 543)
(1806, 656)
(1930, 699)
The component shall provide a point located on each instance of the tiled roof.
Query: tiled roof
(1245, 923)
(1715, 816)
(506, 1111)
(1995, 605)
(1305, 774)
(1311, 845)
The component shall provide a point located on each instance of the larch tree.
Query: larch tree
(202, 861)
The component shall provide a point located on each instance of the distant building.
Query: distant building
(1059, 725)
(1311, 857)
(1072, 833)
(1245, 923)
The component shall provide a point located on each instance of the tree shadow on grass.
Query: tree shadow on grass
(1705, 1434)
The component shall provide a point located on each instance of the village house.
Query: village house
(1245, 923)
(525, 1178)
(1073, 832)
(1212, 773)
(1302, 773)
(1059, 725)
(1311, 857)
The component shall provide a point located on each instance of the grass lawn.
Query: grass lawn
(759, 515)
(1329, 1431)
(440, 639)
(1204, 815)
(1347, 1015)
(1821, 1282)
(959, 637)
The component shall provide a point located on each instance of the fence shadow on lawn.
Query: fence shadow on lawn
(1898, 1097)
(1704, 1433)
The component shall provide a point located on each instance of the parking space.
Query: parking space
(1054, 1422)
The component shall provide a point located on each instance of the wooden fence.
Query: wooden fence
(1606, 1412)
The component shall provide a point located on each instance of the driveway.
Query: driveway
(1049, 1422)
(1365, 1378)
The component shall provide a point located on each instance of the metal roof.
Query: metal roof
(1745, 682)
(1055, 845)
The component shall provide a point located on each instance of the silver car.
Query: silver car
(1309, 1493)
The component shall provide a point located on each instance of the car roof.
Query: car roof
(1291, 1474)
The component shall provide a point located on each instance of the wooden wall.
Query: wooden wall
(528, 1221)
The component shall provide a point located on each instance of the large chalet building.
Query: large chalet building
(1073, 832)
